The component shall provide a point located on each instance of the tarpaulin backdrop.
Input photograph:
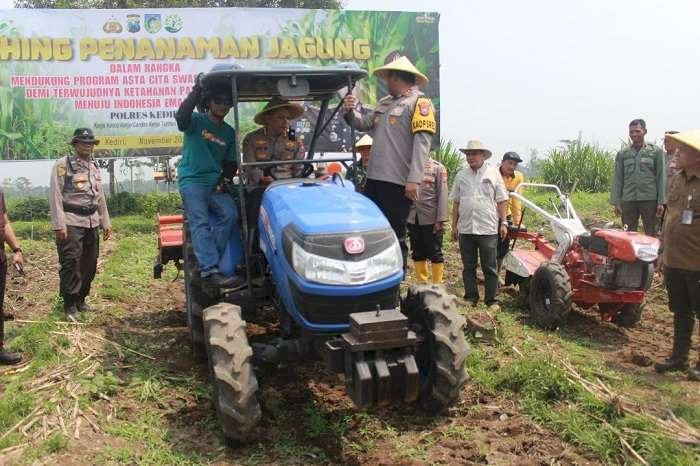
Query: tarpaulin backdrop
(125, 72)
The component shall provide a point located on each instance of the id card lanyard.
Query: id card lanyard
(687, 217)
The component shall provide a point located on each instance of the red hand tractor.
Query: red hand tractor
(607, 267)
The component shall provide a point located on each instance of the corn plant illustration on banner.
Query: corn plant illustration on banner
(123, 73)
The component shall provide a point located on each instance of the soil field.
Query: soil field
(121, 387)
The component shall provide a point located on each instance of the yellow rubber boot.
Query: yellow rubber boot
(438, 270)
(421, 271)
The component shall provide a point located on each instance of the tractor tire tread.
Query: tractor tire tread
(629, 316)
(451, 346)
(235, 385)
(560, 301)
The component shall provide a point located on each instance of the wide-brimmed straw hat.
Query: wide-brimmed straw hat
(689, 138)
(295, 109)
(473, 146)
(365, 141)
(402, 64)
(84, 135)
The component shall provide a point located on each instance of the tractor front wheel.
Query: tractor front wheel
(550, 295)
(234, 383)
(442, 350)
(628, 316)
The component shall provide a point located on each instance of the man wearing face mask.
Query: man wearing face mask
(204, 177)
(402, 127)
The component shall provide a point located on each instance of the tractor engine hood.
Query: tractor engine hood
(329, 234)
(322, 208)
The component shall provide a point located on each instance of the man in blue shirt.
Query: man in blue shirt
(208, 152)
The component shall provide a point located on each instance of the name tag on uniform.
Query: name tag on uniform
(687, 216)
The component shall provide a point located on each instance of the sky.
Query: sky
(524, 75)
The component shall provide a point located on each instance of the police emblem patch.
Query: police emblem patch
(424, 107)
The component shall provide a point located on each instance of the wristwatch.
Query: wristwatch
(16, 250)
(503, 222)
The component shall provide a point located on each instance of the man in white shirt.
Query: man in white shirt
(479, 211)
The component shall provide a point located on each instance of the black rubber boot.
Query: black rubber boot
(682, 333)
(70, 308)
(694, 373)
(83, 306)
(8, 358)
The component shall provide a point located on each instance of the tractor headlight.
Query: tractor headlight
(327, 271)
(646, 252)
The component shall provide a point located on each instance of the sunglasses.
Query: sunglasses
(85, 143)
(219, 100)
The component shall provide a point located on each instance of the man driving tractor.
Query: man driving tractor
(273, 141)
(204, 177)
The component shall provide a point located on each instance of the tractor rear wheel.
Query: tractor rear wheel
(628, 316)
(233, 381)
(196, 301)
(442, 349)
(550, 295)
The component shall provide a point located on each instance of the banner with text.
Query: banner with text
(123, 73)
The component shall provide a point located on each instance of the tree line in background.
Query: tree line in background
(584, 164)
(35, 208)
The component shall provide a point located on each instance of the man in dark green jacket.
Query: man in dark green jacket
(639, 183)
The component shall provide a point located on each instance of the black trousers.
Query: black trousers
(631, 211)
(683, 288)
(3, 277)
(683, 293)
(504, 243)
(77, 256)
(425, 245)
(392, 201)
(481, 248)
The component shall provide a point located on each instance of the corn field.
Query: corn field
(29, 129)
(448, 155)
(585, 164)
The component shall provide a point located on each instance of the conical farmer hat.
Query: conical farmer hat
(295, 109)
(402, 64)
(689, 138)
(365, 141)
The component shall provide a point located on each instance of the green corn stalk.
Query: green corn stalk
(585, 164)
(448, 155)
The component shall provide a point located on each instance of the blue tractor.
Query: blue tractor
(327, 260)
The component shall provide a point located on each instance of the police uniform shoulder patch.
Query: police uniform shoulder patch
(424, 117)
(60, 169)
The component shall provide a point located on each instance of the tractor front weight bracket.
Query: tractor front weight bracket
(376, 356)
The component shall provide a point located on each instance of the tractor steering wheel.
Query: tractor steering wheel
(307, 170)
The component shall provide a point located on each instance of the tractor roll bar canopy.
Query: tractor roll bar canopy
(293, 82)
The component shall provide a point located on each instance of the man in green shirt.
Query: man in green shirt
(639, 183)
(204, 177)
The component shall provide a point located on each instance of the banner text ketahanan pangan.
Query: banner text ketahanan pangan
(116, 49)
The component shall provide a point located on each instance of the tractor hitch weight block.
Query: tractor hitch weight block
(376, 356)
